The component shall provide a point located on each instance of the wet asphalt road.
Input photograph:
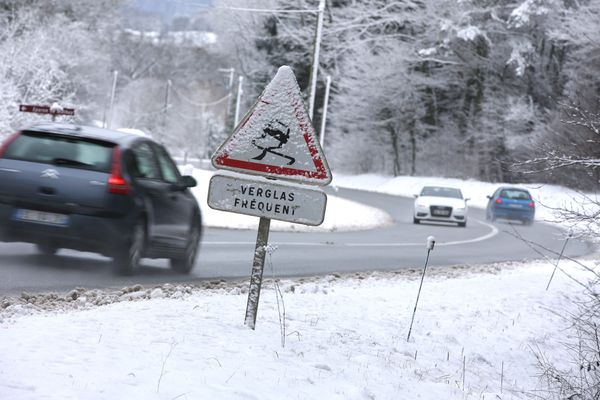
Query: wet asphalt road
(228, 253)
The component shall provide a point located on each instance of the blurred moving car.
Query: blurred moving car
(441, 204)
(98, 190)
(511, 203)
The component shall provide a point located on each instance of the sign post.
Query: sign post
(258, 266)
(276, 141)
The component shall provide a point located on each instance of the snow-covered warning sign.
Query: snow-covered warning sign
(276, 138)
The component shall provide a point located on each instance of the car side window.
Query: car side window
(145, 165)
(168, 169)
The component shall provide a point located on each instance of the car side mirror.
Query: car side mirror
(489, 197)
(467, 199)
(415, 195)
(188, 181)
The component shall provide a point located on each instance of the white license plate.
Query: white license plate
(441, 213)
(42, 217)
(515, 206)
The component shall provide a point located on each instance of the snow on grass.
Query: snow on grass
(548, 198)
(475, 333)
(345, 338)
(340, 215)
(345, 215)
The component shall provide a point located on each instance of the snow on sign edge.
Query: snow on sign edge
(284, 80)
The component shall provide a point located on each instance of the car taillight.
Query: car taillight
(531, 204)
(7, 143)
(498, 201)
(116, 183)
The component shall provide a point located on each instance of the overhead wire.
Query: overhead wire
(246, 9)
(207, 104)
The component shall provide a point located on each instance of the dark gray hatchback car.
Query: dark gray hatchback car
(98, 190)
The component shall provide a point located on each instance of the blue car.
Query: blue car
(98, 190)
(511, 203)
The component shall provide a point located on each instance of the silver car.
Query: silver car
(440, 204)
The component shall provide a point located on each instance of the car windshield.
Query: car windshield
(61, 150)
(441, 192)
(515, 194)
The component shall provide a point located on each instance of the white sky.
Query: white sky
(345, 336)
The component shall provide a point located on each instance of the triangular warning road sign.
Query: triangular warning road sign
(276, 138)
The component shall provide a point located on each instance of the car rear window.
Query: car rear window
(73, 152)
(515, 194)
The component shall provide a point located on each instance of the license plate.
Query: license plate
(441, 213)
(515, 206)
(42, 217)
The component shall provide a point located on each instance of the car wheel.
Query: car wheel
(416, 221)
(462, 224)
(528, 222)
(128, 258)
(186, 262)
(46, 249)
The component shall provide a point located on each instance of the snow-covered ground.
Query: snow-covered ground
(342, 337)
(340, 215)
(548, 198)
(345, 215)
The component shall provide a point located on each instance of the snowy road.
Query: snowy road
(228, 253)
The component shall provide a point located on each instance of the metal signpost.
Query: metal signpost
(275, 140)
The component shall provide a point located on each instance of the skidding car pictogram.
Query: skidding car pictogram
(279, 136)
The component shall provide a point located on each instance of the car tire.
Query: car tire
(127, 260)
(46, 249)
(528, 222)
(462, 224)
(416, 221)
(185, 263)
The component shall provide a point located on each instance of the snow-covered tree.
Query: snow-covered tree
(52, 51)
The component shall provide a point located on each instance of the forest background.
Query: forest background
(452, 88)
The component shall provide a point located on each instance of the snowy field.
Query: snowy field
(345, 215)
(340, 215)
(334, 337)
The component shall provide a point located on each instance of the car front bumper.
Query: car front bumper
(425, 214)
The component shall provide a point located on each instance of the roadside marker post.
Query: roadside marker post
(430, 245)
(274, 141)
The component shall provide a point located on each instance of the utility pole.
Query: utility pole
(240, 91)
(315, 66)
(108, 123)
(231, 72)
(165, 109)
(324, 116)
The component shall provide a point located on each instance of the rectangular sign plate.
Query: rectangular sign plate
(267, 200)
(45, 110)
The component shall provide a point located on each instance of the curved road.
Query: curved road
(228, 253)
